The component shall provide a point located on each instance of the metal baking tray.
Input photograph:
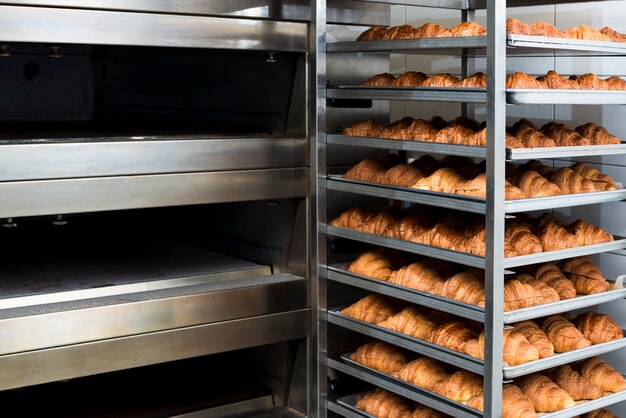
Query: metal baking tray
(554, 96)
(512, 154)
(416, 345)
(462, 360)
(471, 259)
(467, 203)
(346, 410)
(428, 94)
(403, 388)
(349, 403)
(406, 46)
(340, 274)
(576, 45)
(440, 4)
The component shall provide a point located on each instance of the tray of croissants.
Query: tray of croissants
(531, 345)
(461, 176)
(592, 382)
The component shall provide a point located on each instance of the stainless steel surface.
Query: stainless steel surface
(541, 42)
(262, 403)
(48, 197)
(465, 310)
(563, 358)
(407, 342)
(346, 410)
(403, 388)
(553, 96)
(481, 4)
(588, 406)
(466, 203)
(417, 146)
(110, 156)
(431, 45)
(562, 152)
(427, 94)
(54, 364)
(97, 27)
(442, 4)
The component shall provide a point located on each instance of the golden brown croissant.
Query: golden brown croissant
(520, 80)
(616, 83)
(402, 175)
(382, 403)
(398, 32)
(368, 128)
(544, 394)
(542, 28)
(372, 34)
(597, 134)
(534, 184)
(460, 387)
(584, 275)
(534, 138)
(379, 80)
(410, 321)
(588, 234)
(598, 328)
(409, 79)
(545, 292)
(514, 403)
(517, 27)
(551, 275)
(452, 335)
(556, 81)
(536, 337)
(381, 356)
(602, 374)
(443, 180)
(367, 170)
(454, 134)
(465, 287)
(441, 80)
(602, 181)
(518, 295)
(353, 218)
(613, 34)
(555, 237)
(521, 238)
(372, 308)
(420, 130)
(432, 30)
(599, 413)
(563, 135)
(517, 349)
(591, 81)
(571, 182)
(475, 81)
(419, 277)
(468, 29)
(477, 187)
(587, 33)
(578, 386)
(563, 334)
(372, 264)
(423, 372)
(378, 223)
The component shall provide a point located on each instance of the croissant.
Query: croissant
(409, 79)
(454, 134)
(551, 275)
(598, 328)
(514, 403)
(522, 239)
(585, 275)
(432, 30)
(464, 287)
(591, 81)
(520, 80)
(379, 80)
(398, 32)
(534, 184)
(368, 128)
(599, 413)
(419, 277)
(441, 80)
(533, 138)
(571, 182)
(536, 337)
(537, 166)
(588, 234)
(353, 218)
(517, 349)
(403, 175)
(382, 403)
(602, 181)
(578, 387)
(545, 292)
(468, 29)
(378, 223)
(544, 394)
(420, 130)
(452, 335)
(411, 322)
(381, 356)
(554, 237)
(613, 34)
(557, 81)
(372, 264)
(564, 136)
(517, 27)
(460, 387)
(563, 334)
(367, 170)
(616, 83)
(408, 229)
(587, 33)
(600, 373)
(372, 34)
(443, 180)
(475, 81)
(518, 295)
(422, 411)
(478, 187)
(372, 308)
(597, 134)
(423, 372)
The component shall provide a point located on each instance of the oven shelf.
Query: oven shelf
(553, 96)
(418, 94)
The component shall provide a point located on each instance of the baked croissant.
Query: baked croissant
(578, 386)
(353, 218)
(372, 308)
(477, 187)
(602, 181)
(517, 349)
(599, 413)
(534, 184)
(520, 80)
(382, 403)
(432, 30)
(588, 234)
(419, 277)
(443, 180)
(378, 223)
(584, 275)
(452, 335)
(373, 33)
(372, 264)
(465, 287)
(514, 403)
(423, 372)
(468, 29)
(381, 356)
(521, 238)
(564, 136)
(571, 182)
(563, 334)
(598, 328)
(544, 394)
(555, 237)
(402, 175)
(602, 374)
(556, 81)
(409, 79)
(368, 128)
(597, 134)
(460, 387)
(551, 275)
(545, 292)
(411, 322)
(519, 295)
(536, 337)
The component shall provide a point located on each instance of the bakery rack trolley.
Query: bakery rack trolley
(496, 45)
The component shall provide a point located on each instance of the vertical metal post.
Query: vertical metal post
(494, 218)
(467, 64)
(316, 96)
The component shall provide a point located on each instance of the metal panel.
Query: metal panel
(442, 4)
(75, 26)
(406, 46)
(115, 156)
(347, 411)
(563, 152)
(48, 197)
(553, 96)
(41, 366)
(541, 42)
(428, 94)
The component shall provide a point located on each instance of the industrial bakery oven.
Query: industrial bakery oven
(155, 208)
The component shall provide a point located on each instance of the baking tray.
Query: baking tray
(467, 203)
(348, 411)
(512, 154)
(471, 259)
(554, 96)
(465, 361)
(403, 388)
(428, 94)
(339, 273)
(573, 45)
(349, 403)
(442, 45)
